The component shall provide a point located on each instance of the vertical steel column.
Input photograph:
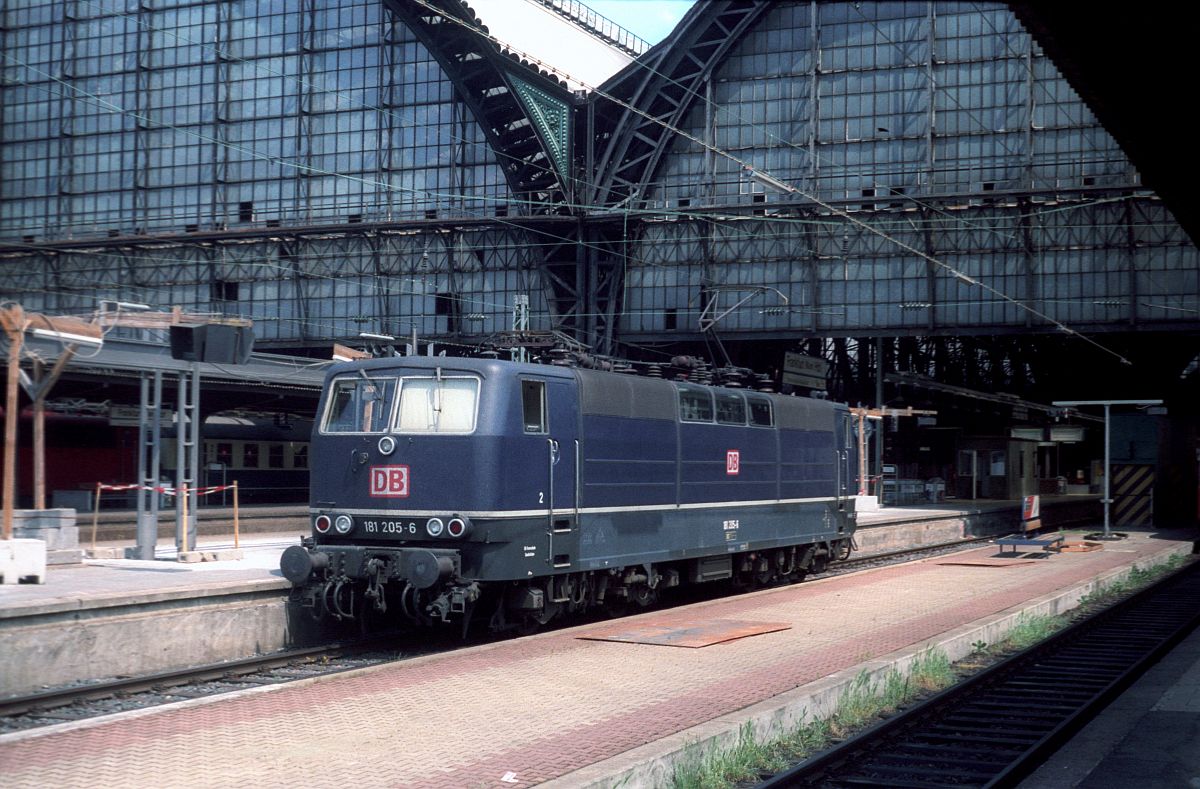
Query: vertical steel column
(186, 418)
(307, 13)
(141, 117)
(149, 443)
(222, 93)
(194, 457)
(879, 404)
(66, 120)
(1107, 468)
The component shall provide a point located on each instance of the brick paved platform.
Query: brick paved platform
(559, 708)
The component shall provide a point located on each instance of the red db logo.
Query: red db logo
(733, 462)
(389, 481)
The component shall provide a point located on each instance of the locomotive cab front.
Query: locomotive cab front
(431, 475)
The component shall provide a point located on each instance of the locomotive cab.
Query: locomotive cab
(431, 471)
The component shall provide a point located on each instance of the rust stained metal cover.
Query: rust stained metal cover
(1083, 546)
(686, 633)
(986, 562)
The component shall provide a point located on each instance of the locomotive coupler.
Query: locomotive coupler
(376, 578)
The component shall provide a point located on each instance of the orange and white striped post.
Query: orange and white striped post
(96, 513)
(236, 544)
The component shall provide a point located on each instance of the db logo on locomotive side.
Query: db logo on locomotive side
(733, 462)
(389, 481)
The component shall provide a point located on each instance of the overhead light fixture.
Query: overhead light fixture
(964, 279)
(125, 305)
(68, 337)
(366, 335)
(915, 305)
(769, 181)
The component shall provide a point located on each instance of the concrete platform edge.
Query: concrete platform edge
(654, 764)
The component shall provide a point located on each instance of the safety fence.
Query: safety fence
(184, 493)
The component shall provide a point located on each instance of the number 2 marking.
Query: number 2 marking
(541, 497)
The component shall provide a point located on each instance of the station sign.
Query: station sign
(806, 371)
(128, 416)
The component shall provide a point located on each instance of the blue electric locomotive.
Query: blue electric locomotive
(443, 484)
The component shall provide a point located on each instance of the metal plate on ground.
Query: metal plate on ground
(1083, 546)
(692, 634)
(997, 562)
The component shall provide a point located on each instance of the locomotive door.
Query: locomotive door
(847, 459)
(550, 409)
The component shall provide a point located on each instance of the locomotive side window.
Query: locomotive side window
(432, 405)
(533, 406)
(731, 409)
(695, 404)
(359, 405)
(760, 411)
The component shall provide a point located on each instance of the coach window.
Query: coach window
(275, 455)
(250, 455)
(695, 404)
(533, 406)
(299, 455)
(760, 411)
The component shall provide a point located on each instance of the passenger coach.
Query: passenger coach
(441, 484)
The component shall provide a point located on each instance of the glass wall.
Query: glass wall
(120, 118)
(944, 134)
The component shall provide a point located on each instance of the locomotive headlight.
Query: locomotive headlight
(387, 445)
(322, 523)
(458, 526)
(434, 527)
(342, 524)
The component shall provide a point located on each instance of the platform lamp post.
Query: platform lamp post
(1108, 404)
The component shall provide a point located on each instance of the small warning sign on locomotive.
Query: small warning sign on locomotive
(389, 481)
(733, 462)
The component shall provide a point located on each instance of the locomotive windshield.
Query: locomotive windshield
(360, 405)
(438, 405)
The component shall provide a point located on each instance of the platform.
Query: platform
(228, 610)
(569, 710)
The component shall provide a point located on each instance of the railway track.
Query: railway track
(995, 728)
(78, 702)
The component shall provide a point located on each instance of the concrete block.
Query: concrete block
(866, 504)
(190, 557)
(56, 527)
(228, 555)
(22, 561)
(106, 552)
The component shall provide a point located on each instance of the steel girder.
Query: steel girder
(487, 81)
(657, 91)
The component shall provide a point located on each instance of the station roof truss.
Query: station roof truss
(653, 95)
(524, 111)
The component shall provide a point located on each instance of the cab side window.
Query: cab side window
(533, 406)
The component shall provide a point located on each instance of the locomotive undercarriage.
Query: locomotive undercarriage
(379, 586)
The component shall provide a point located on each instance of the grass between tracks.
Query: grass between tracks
(866, 701)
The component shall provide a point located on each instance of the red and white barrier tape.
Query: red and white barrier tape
(169, 491)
